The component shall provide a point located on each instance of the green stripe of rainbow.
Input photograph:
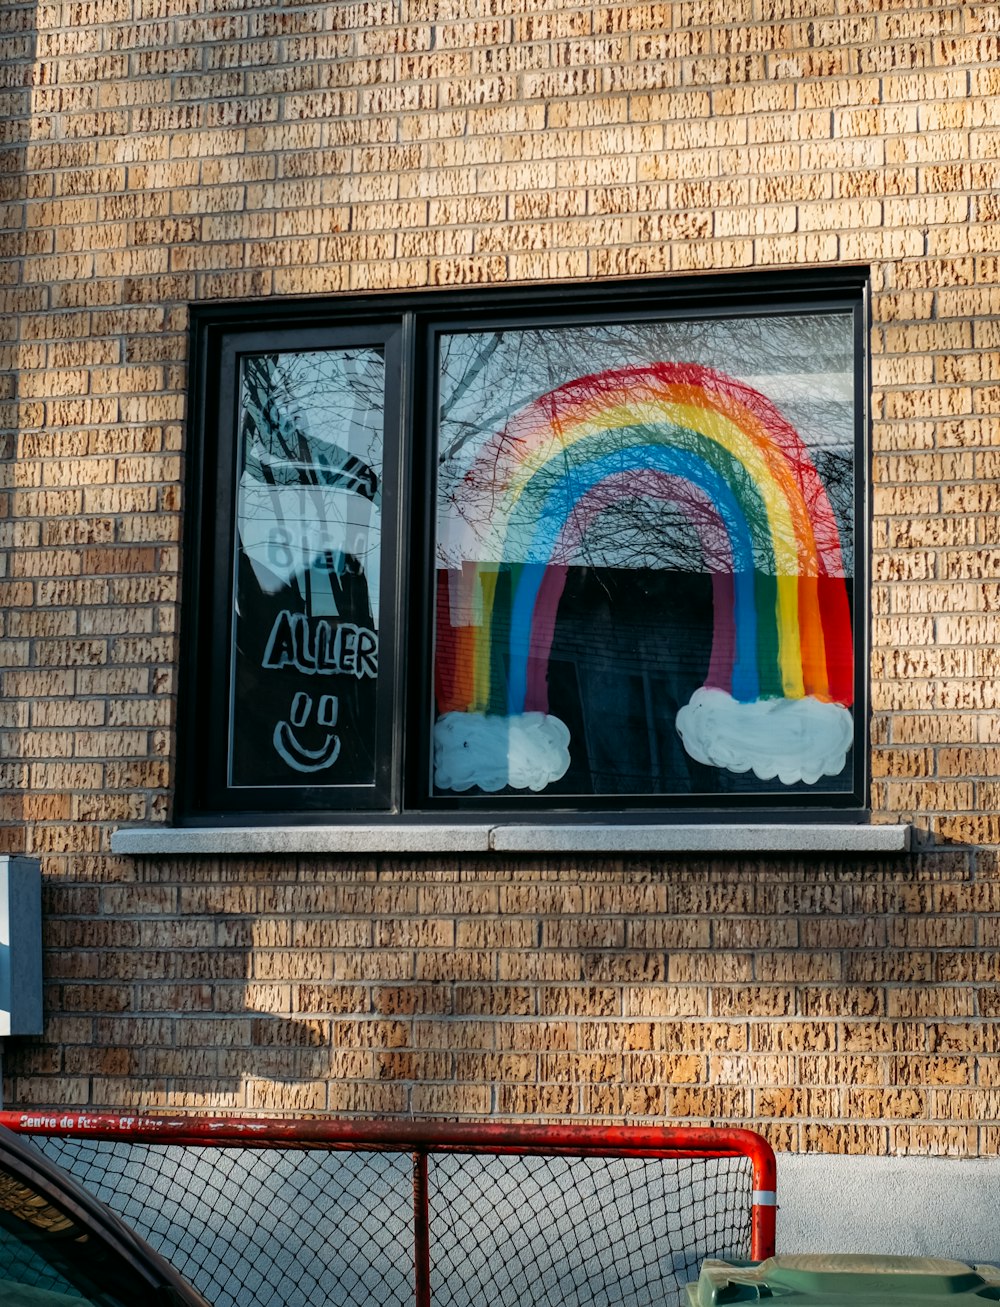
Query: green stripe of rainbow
(785, 607)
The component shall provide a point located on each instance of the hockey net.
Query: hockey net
(257, 1213)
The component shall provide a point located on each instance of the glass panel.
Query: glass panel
(644, 551)
(48, 1259)
(308, 552)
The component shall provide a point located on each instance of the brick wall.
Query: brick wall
(156, 153)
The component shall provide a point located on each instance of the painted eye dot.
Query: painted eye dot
(301, 708)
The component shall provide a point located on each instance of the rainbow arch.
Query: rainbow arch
(721, 454)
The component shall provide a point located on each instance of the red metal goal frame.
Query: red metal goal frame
(421, 1138)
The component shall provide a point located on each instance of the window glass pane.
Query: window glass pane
(308, 545)
(645, 557)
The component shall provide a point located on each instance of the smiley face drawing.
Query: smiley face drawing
(292, 750)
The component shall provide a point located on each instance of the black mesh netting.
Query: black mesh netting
(293, 1227)
(573, 1230)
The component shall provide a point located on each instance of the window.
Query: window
(560, 549)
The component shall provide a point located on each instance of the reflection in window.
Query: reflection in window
(48, 1259)
(305, 653)
(645, 557)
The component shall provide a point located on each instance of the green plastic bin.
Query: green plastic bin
(826, 1280)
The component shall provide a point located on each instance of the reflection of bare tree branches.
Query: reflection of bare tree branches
(468, 431)
(836, 471)
(802, 360)
(472, 370)
(295, 406)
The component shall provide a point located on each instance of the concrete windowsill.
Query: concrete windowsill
(596, 837)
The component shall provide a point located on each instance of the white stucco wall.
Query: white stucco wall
(914, 1206)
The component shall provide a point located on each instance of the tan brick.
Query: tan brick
(800, 967)
(629, 1101)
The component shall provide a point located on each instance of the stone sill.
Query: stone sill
(596, 837)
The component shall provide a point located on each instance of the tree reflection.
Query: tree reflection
(802, 362)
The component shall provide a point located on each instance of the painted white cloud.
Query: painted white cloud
(793, 739)
(528, 751)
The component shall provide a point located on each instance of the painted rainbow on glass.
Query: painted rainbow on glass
(723, 455)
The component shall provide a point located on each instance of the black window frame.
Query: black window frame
(406, 324)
